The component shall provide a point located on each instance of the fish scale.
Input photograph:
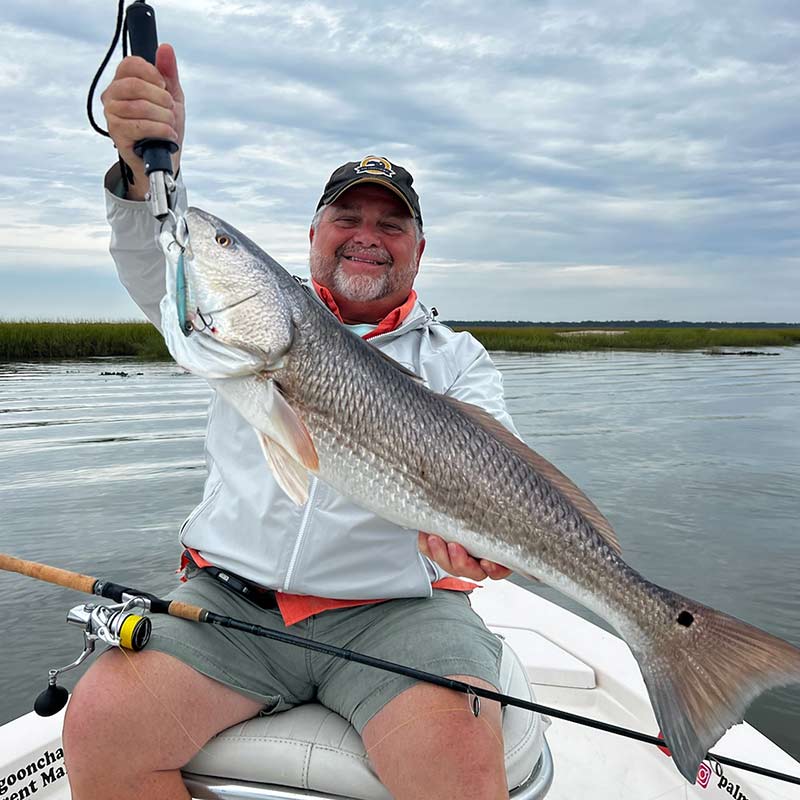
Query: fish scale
(326, 401)
(400, 458)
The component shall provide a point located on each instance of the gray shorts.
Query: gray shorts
(441, 634)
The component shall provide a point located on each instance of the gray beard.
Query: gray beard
(356, 288)
(361, 288)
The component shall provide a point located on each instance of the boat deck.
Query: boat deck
(599, 765)
(573, 665)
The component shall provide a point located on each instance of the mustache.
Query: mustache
(374, 254)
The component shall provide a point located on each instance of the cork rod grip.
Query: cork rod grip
(186, 611)
(43, 572)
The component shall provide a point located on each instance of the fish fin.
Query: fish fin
(293, 435)
(398, 366)
(291, 476)
(568, 489)
(702, 677)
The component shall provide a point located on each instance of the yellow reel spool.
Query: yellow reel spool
(134, 632)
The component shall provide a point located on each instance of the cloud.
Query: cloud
(605, 156)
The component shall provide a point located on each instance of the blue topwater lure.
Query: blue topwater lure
(180, 297)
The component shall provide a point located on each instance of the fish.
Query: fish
(324, 402)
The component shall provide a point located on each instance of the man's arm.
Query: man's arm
(134, 245)
(142, 101)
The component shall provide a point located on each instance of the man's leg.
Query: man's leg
(426, 744)
(135, 720)
(423, 740)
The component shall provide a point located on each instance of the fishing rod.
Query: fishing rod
(125, 625)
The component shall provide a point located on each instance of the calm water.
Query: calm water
(695, 459)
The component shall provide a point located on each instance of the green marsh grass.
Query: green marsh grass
(34, 341)
(549, 340)
(46, 341)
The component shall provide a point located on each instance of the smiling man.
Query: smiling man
(366, 248)
(329, 570)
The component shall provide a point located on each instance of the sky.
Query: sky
(594, 159)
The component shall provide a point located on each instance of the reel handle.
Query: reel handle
(51, 700)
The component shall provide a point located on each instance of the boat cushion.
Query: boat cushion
(311, 747)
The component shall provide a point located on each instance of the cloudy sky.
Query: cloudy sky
(586, 159)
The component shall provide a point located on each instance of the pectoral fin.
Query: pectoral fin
(292, 477)
(290, 431)
(288, 447)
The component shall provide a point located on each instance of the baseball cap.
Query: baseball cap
(373, 169)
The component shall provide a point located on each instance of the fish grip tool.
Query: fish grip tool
(156, 605)
(138, 24)
(140, 20)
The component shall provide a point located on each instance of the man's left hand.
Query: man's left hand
(454, 559)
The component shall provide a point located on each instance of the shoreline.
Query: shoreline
(715, 341)
(56, 341)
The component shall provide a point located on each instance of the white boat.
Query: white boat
(560, 659)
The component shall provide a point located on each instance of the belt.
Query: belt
(261, 596)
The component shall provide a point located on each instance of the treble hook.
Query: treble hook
(207, 323)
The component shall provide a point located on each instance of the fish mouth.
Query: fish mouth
(207, 317)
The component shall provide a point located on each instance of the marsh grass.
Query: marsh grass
(33, 341)
(45, 341)
(549, 340)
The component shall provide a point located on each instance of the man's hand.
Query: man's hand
(145, 101)
(453, 558)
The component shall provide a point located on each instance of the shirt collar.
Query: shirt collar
(393, 320)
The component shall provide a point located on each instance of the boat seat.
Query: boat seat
(314, 749)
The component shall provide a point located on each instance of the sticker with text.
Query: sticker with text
(37, 772)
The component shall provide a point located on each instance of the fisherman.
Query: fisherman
(329, 570)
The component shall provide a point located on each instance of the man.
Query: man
(319, 569)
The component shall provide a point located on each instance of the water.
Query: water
(694, 459)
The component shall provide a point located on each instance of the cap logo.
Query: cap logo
(375, 165)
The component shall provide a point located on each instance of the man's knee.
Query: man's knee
(436, 731)
(131, 694)
(107, 709)
(166, 709)
(100, 707)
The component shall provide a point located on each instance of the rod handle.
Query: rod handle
(186, 611)
(43, 572)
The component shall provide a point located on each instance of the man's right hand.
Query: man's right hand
(145, 101)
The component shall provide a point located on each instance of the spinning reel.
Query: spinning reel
(117, 625)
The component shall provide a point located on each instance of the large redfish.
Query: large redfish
(325, 402)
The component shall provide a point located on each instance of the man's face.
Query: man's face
(365, 247)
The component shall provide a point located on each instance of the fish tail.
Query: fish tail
(705, 672)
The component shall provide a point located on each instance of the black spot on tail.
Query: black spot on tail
(685, 618)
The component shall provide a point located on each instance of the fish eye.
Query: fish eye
(223, 240)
